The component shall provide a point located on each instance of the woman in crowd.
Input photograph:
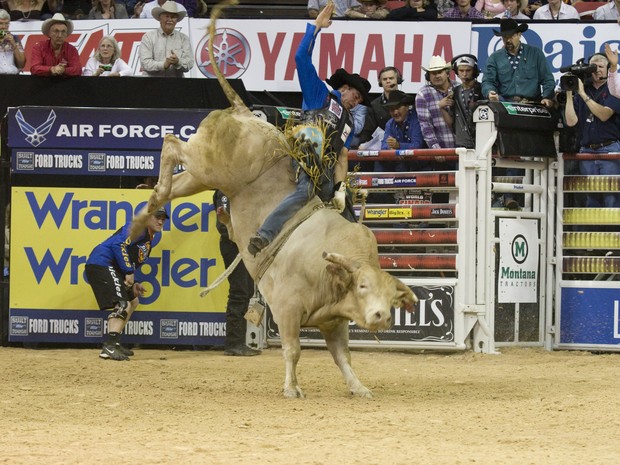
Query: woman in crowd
(514, 9)
(107, 61)
(30, 10)
(107, 9)
(490, 8)
(414, 10)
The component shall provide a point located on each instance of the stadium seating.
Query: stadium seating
(586, 9)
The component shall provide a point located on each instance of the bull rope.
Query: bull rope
(314, 205)
(227, 272)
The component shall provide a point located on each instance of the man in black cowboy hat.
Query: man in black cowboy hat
(402, 131)
(518, 72)
(322, 107)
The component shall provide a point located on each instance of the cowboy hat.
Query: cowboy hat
(169, 7)
(398, 98)
(436, 64)
(342, 77)
(57, 18)
(508, 27)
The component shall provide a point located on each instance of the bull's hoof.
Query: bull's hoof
(362, 391)
(294, 393)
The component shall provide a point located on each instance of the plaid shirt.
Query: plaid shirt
(436, 132)
(455, 13)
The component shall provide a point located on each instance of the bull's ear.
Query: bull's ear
(405, 296)
(341, 278)
(350, 265)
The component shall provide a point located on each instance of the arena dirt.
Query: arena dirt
(526, 406)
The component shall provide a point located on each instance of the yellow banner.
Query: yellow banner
(53, 231)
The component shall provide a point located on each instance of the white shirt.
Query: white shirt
(119, 67)
(566, 12)
(606, 12)
(147, 10)
(7, 58)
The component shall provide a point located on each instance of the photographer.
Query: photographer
(598, 114)
(13, 58)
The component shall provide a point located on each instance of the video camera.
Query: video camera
(574, 72)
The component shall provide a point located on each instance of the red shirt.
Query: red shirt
(43, 58)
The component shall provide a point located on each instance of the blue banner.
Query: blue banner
(94, 141)
(145, 327)
(590, 316)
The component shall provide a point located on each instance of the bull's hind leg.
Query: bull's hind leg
(337, 340)
(168, 186)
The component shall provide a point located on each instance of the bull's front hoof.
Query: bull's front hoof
(364, 392)
(294, 393)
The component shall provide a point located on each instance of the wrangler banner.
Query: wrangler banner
(54, 230)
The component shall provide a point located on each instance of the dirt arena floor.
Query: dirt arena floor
(525, 406)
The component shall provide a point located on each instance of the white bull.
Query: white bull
(324, 275)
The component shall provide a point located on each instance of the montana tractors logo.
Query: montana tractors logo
(232, 54)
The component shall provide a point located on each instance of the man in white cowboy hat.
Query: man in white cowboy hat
(432, 100)
(322, 108)
(518, 72)
(55, 56)
(144, 10)
(368, 9)
(166, 52)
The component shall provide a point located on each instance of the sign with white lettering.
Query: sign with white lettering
(590, 315)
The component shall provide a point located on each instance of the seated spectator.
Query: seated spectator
(443, 6)
(402, 132)
(514, 9)
(166, 52)
(31, 10)
(108, 9)
(461, 10)
(613, 81)
(414, 10)
(368, 9)
(107, 61)
(359, 117)
(608, 12)
(532, 6)
(341, 7)
(557, 10)
(12, 56)
(76, 9)
(490, 8)
(145, 10)
(55, 56)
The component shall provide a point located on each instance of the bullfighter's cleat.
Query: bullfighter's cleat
(257, 243)
(110, 352)
(124, 350)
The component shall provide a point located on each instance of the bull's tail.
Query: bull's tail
(231, 95)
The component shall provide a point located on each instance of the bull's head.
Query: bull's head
(367, 292)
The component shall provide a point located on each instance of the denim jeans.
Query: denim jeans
(288, 207)
(601, 167)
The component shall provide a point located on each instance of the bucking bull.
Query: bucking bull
(324, 274)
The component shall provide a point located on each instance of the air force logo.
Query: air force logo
(35, 136)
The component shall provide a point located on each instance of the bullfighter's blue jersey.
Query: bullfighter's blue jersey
(120, 252)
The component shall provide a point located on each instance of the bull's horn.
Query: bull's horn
(350, 265)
